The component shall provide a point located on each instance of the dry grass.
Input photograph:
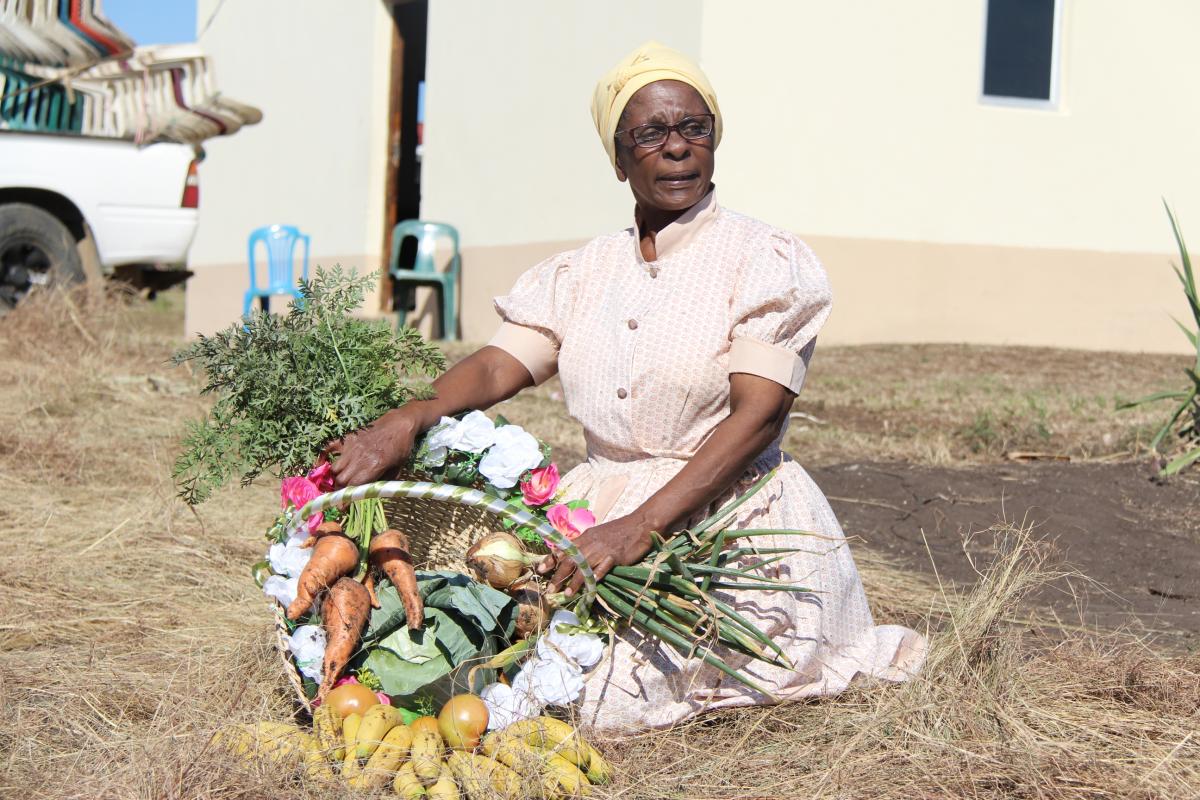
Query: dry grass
(995, 715)
(130, 629)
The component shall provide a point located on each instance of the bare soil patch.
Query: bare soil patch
(1135, 536)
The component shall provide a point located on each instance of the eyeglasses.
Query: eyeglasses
(656, 134)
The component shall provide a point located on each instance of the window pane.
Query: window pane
(1020, 48)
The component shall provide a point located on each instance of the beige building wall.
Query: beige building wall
(858, 125)
(319, 72)
(943, 218)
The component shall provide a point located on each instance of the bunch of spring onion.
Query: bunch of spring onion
(671, 593)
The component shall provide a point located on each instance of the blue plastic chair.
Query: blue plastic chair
(280, 241)
(425, 272)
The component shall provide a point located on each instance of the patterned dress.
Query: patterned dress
(644, 351)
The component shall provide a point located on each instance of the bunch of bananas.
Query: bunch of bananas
(542, 757)
(548, 752)
(279, 743)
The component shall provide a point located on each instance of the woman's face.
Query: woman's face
(675, 176)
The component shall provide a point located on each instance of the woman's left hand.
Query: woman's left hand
(619, 542)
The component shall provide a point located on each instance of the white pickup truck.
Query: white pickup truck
(67, 199)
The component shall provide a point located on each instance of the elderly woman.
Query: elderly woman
(681, 343)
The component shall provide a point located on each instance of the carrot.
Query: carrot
(324, 529)
(389, 552)
(333, 556)
(344, 615)
(369, 583)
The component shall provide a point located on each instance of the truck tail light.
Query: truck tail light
(191, 187)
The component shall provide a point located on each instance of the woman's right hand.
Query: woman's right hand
(376, 451)
(480, 380)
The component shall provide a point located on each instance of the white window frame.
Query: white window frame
(1055, 67)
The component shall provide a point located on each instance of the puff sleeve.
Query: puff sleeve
(535, 314)
(781, 302)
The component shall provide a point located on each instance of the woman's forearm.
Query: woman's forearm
(482, 379)
(759, 408)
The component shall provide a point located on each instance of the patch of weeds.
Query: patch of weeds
(980, 434)
(996, 431)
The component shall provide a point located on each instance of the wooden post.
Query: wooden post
(395, 116)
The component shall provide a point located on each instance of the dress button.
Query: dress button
(622, 394)
(632, 324)
(654, 272)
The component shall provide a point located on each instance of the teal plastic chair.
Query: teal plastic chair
(425, 272)
(280, 242)
(29, 106)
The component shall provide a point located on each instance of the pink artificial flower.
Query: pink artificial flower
(322, 476)
(570, 522)
(541, 486)
(297, 492)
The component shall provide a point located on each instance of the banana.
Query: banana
(276, 741)
(327, 726)
(281, 743)
(316, 766)
(566, 775)
(514, 753)
(385, 760)
(425, 755)
(480, 776)
(549, 734)
(407, 784)
(444, 788)
(374, 726)
(350, 728)
(598, 769)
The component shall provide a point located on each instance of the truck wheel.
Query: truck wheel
(35, 250)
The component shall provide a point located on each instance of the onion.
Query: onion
(499, 560)
(532, 610)
(351, 698)
(463, 720)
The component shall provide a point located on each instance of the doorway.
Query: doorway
(402, 199)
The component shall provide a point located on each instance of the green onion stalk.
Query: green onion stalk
(669, 595)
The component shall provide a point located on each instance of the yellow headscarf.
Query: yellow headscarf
(649, 63)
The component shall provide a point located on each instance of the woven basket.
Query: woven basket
(439, 534)
(441, 521)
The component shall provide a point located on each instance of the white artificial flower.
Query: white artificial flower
(585, 649)
(438, 440)
(473, 434)
(289, 558)
(308, 649)
(506, 706)
(281, 588)
(514, 452)
(549, 681)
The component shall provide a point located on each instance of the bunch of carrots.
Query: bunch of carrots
(348, 596)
